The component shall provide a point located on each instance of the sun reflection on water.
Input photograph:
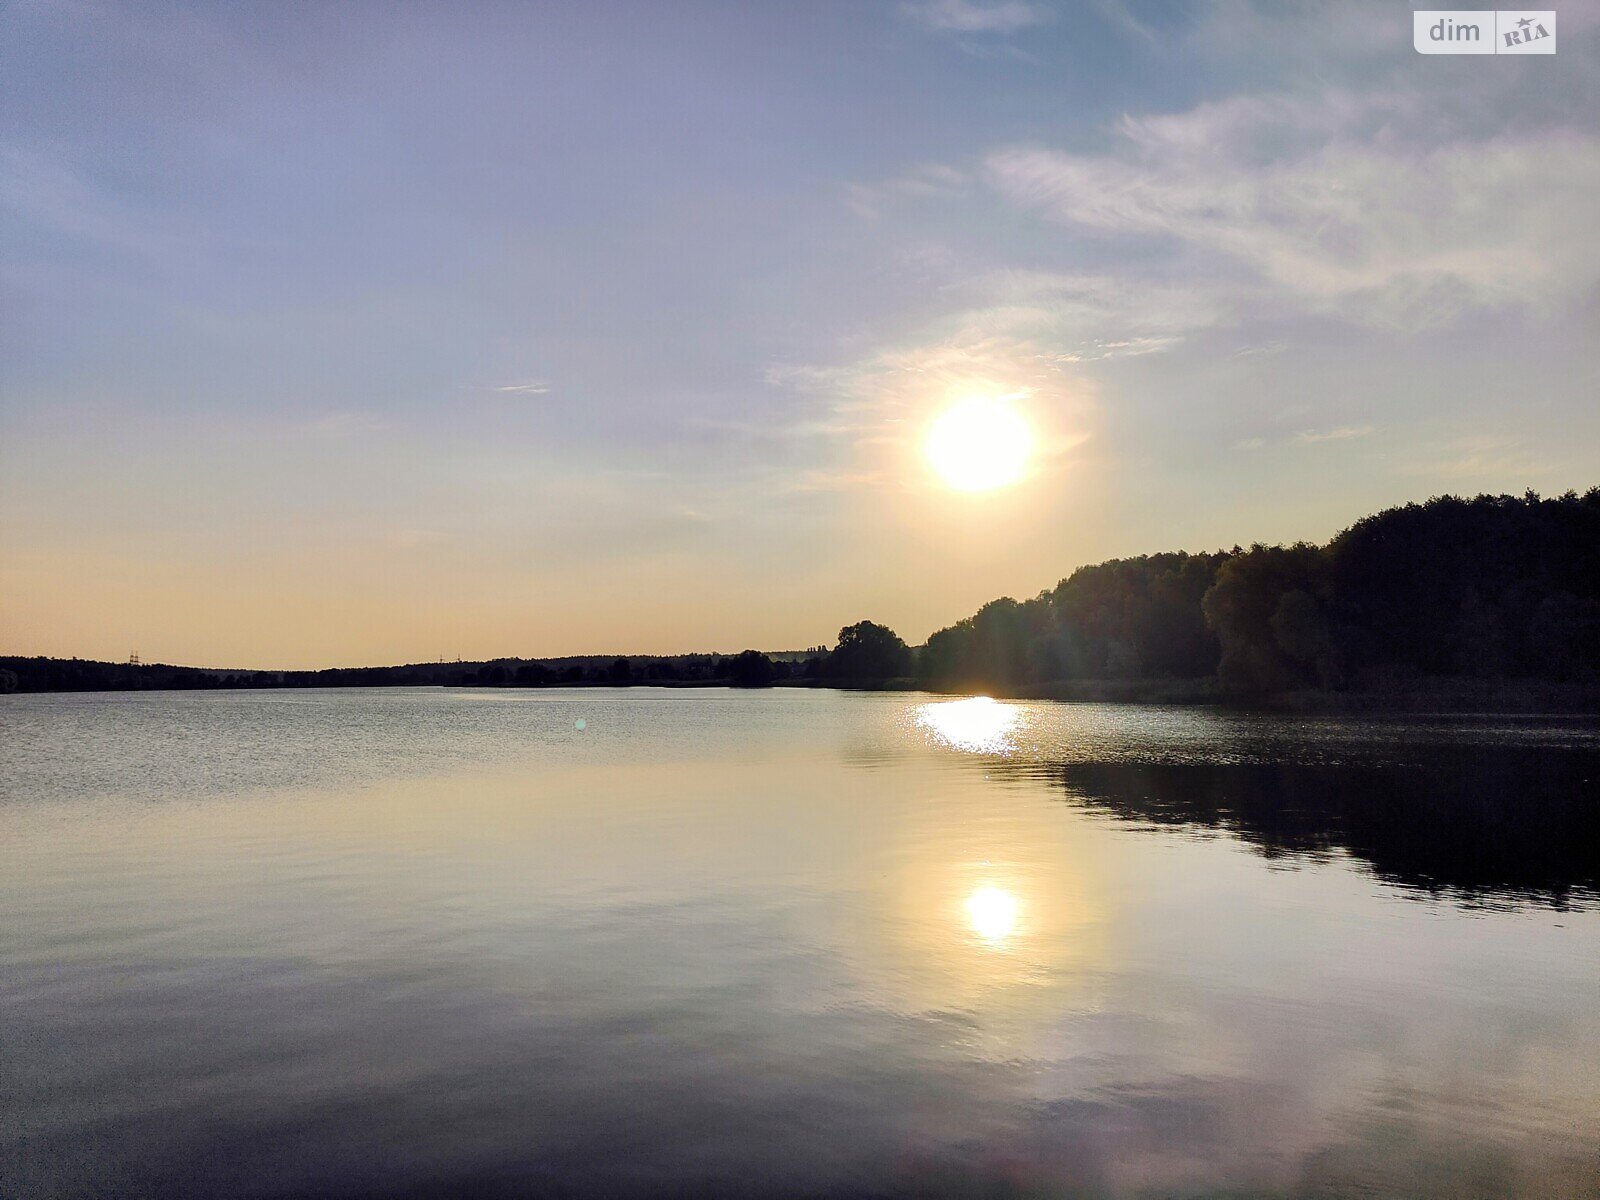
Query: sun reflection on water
(992, 912)
(977, 724)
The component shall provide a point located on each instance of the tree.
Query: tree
(1480, 638)
(1265, 645)
(751, 668)
(1563, 637)
(868, 652)
(1301, 629)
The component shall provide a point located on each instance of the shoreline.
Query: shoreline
(1424, 697)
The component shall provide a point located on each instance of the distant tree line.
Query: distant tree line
(749, 668)
(1489, 588)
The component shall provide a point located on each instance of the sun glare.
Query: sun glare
(977, 724)
(979, 445)
(992, 913)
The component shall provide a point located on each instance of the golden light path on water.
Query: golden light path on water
(980, 725)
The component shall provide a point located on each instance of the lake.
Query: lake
(790, 943)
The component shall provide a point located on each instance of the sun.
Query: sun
(979, 445)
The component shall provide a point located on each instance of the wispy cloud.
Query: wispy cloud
(1359, 206)
(1096, 315)
(536, 388)
(1264, 350)
(970, 16)
(1307, 437)
(1343, 433)
(1475, 458)
(927, 182)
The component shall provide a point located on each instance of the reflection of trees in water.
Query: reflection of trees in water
(1490, 826)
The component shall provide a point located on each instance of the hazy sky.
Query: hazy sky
(352, 333)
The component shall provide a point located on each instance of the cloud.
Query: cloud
(1356, 206)
(968, 16)
(1087, 316)
(1264, 350)
(1344, 433)
(1309, 437)
(1478, 457)
(536, 388)
(930, 181)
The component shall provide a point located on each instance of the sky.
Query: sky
(376, 333)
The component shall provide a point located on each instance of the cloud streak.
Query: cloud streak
(968, 16)
(1321, 204)
(1343, 433)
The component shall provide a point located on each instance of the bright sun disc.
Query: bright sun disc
(979, 445)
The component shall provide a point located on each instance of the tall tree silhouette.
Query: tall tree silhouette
(868, 652)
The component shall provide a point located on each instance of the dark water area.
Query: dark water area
(1502, 826)
(599, 943)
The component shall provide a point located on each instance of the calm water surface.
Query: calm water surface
(448, 943)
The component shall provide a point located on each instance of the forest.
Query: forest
(1491, 588)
